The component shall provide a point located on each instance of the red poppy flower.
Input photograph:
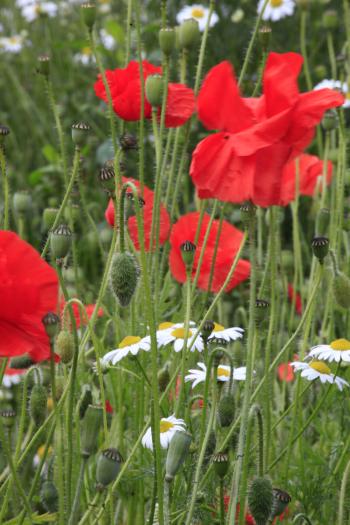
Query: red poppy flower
(147, 212)
(310, 170)
(285, 372)
(229, 243)
(109, 408)
(296, 298)
(257, 136)
(28, 291)
(249, 520)
(125, 87)
(80, 319)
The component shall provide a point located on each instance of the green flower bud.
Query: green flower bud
(261, 311)
(154, 90)
(44, 65)
(80, 131)
(265, 37)
(226, 410)
(60, 241)
(8, 416)
(341, 289)
(85, 400)
(128, 142)
(322, 221)
(188, 33)
(330, 19)
(221, 464)
(49, 496)
(49, 216)
(107, 178)
(65, 346)
(108, 467)
(330, 120)
(188, 250)
(167, 40)
(90, 427)
(320, 247)
(22, 202)
(38, 404)
(248, 213)
(89, 14)
(124, 277)
(177, 453)
(51, 322)
(260, 500)
(280, 501)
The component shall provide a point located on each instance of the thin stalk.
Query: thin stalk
(6, 187)
(79, 485)
(342, 495)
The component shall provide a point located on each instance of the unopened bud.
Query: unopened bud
(188, 33)
(60, 241)
(167, 39)
(124, 277)
(65, 346)
(154, 90)
(22, 202)
(188, 251)
(320, 247)
(80, 132)
(51, 322)
(260, 500)
(90, 427)
(221, 464)
(49, 216)
(108, 467)
(177, 453)
(38, 404)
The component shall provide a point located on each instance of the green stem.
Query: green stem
(6, 188)
(299, 517)
(303, 21)
(59, 128)
(342, 495)
(75, 508)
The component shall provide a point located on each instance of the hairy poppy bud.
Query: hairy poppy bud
(43, 67)
(154, 90)
(79, 133)
(49, 216)
(188, 250)
(265, 37)
(188, 33)
(320, 247)
(167, 39)
(90, 427)
(22, 202)
(330, 120)
(89, 14)
(49, 496)
(85, 400)
(38, 404)
(128, 142)
(280, 501)
(221, 464)
(341, 289)
(65, 346)
(51, 322)
(226, 410)
(322, 221)
(108, 467)
(260, 500)
(124, 277)
(60, 241)
(177, 453)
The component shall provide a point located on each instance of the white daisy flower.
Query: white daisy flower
(85, 57)
(24, 3)
(12, 379)
(168, 427)
(199, 13)
(276, 9)
(318, 369)
(176, 335)
(13, 44)
(107, 40)
(32, 11)
(164, 329)
(335, 84)
(338, 350)
(129, 345)
(223, 374)
(228, 334)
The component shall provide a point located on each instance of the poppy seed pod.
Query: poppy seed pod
(90, 427)
(49, 496)
(280, 501)
(261, 310)
(260, 500)
(177, 453)
(330, 120)
(226, 410)
(89, 14)
(108, 467)
(51, 322)
(128, 142)
(65, 346)
(60, 241)
(188, 33)
(124, 277)
(341, 289)
(167, 40)
(21, 202)
(80, 131)
(49, 216)
(43, 67)
(4, 131)
(188, 250)
(221, 464)
(38, 404)
(107, 178)
(207, 330)
(8, 416)
(320, 247)
(248, 213)
(265, 37)
(154, 90)
(330, 19)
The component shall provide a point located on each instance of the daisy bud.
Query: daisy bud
(207, 330)
(65, 346)
(124, 277)
(80, 131)
(38, 404)
(154, 90)
(280, 501)
(60, 241)
(226, 410)
(248, 212)
(85, 400)
(107, 178)
(261, 310)
(4, 131)
(89, 14)
(260, 500)
(108, 467)
(128, 141)
(341, 289)
(8, 416)
(320, 247)
(43, 67)
(167, 39)
(90, 427)
(177, 453)
(188, 33)
(330, 19)
(49, 216)
(188, 250)
(265, 37)
(22, 202)
(163, 378)
(330, 120)
(322, 221)
(221, 464)
(51, 322)
(49, 496)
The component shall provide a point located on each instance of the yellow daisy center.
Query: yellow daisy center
(340, 344)
(165, 426)
(276, 3)
(14, 39)
(49, 403)
(86, 51)
(165, 326)
(218, 327)
(129, 340)
(41, 451)
(179, 333)
(320, 367)
(197, 12)
(223, 372)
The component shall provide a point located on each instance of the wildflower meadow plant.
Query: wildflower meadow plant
(174, 262)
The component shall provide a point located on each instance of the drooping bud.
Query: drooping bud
(22, 202)
(8, 416)
(154, 90)
(124, 277)
(51, 322)
(260, 500)
(65, 346)
(248, 213)
(320, 247)
(265, 37)
(90, 427)
(89, 14)
(226, 409)
(38, 404)
(177, 453)
(280, 501)
(261, 311)
(49, 216)
(330, 120)
(322, 221)
(44, 65)
(167, 39)
(341, 289)
(80, 131)
(85, 400)
(207, 330)
(108, 467)
(188, 250)
(60, 241)
(49, 496)
(221, 464)
(128, 142)
(188, 34)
